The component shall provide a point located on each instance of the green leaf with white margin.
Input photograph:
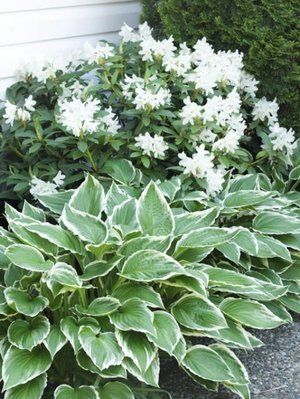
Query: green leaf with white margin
(137, 347)
(292, 273)
(291, 240)
(241, 390)
(189, 221)
(191, 282)
(206, 363)
(25, 303)
(292, 302)
(240, 375)
(130, 247)
(245, 198)
(170, 187)
(198, 313)
(65, 275)
(57, 235)
(149, 265)
(231, 251)
(99, 307)
(246, 241)
(168, 332)
(115, 196)
(276, 223)
(33, 239)
(102, 348)
(150, 376)
(55, 340)
(133, 315)
(154, 214)
(120, 170)
(206, 237)
(70, 328)
(55, 201)
(21, 366)
(28, 258)
(99, 268)
(83, 392)
(33, 389)
(33, 212)
(124, 217)
(144, 292)
(89, 197)
(28, 334)
(87, 227)
(250, 313)
(277, 248)
(116, 390)
(295, 173)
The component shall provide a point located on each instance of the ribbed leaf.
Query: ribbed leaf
(70, 328)
(24, 303)
(198, 313)
(82, 392)
(55, 341)
(154, 214)
(28, 258)
(32, 389)
(144, 292)
(187, 222)
(245, 198)
(99, 307)
(28, 334)
(116, 390)
(276, 223)
(21, 366)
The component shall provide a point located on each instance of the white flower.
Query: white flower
(207, 135)
(128, 34)
(282, 139)
(248, 83)
(110, 122)
(190, 111)
(102, 51)
(179, 64)
(146, 98)
(215, 180)
(39, 186)
(78, 116)
(147, 47)
(30, 103)
(10, 113)
(229, 143)
(155, 146)
(199, 164)
(266, 109)
(203, 51)
(59, 179)
(145, 31)
(13, 112)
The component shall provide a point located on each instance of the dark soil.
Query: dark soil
(274, 369)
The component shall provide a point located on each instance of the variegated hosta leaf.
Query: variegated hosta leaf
(55, 340)
(144, 292)
(150, 376)
(133, 315)
(65, 275)
(67, 392)
(28, 258)
(198, 313)
(89, 197)
(55, 201)
(32, 389)
(114, 197)
(21, 366)
(124, 217)
(102, 348)
(87, 227)
(206, 363)
(154, 214)
(250, 313)
(28, 334)
(116, 390)
(150, 265)
(70, 328)
(99, 307)
(24, 303)
(276, 223)
(190, 221)
(245, 198)
(130, 247)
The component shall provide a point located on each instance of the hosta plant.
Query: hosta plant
(169, 109)
(98, 285)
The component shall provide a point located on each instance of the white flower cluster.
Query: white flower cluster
(81, 116)
(22, 114)
(282, 139)
(155, 146)
(102, 51)
(39, 186)
(144, 94)
(201, 165)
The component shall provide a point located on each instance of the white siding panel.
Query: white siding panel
(33, 28)
(24, 27)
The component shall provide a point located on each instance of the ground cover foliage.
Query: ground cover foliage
(97, 286)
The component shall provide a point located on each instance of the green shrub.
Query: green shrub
(267, 31)
(168, 109)
(97, 287)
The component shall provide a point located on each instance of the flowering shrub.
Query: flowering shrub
(91, 297)
(168, 109)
